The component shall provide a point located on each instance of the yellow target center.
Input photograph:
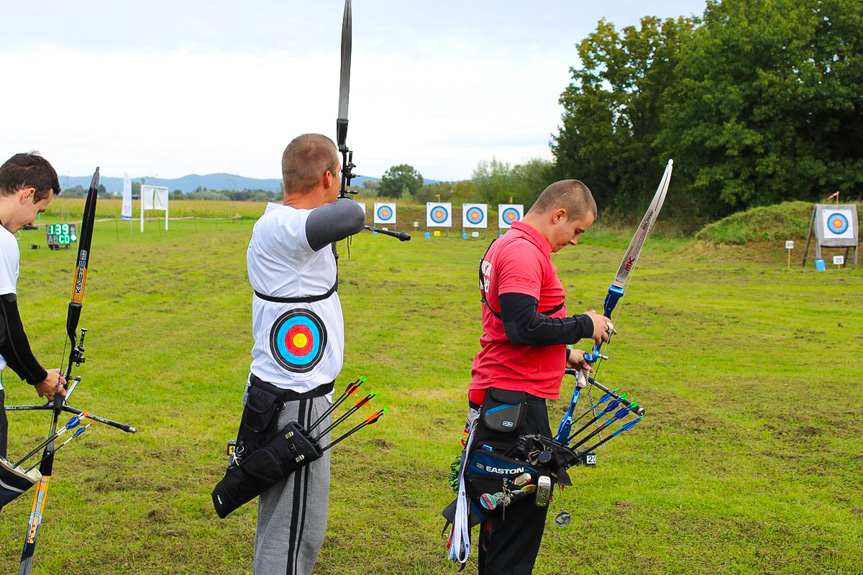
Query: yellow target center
(300, 340)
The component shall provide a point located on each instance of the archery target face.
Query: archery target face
(474, 216)
(298, 340)
(508, 214)
(837, 224)
(385, 213)
(439, 215)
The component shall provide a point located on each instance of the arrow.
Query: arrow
(349, 391)
(623, 428)
(347, 414)
(369, 420)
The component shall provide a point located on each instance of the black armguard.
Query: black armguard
(333, 222)
(524, 325)
(14, 346)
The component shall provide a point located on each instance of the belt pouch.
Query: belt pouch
(261, 405)
(487, 471)
(290, 450)
(503, 410)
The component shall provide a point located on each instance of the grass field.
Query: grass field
(749, 460)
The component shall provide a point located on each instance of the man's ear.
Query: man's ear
(27, 195)
(329, 178)
(559, 215)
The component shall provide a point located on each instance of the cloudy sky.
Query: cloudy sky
(167, 89)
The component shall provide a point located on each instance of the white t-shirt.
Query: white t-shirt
(10, 258)
(298, 346)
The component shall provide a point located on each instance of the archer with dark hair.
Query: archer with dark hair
(28, 183)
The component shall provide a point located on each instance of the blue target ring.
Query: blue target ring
(837, 223)
(511, 215)
(474, 215)
(439, 214)
(298, 340)
(385, 213)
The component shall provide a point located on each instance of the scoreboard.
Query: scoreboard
(60, 235)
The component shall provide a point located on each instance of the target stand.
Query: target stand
(834, 226)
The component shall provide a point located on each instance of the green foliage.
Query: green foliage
(497, 182)
(758, 103)
(400, 181)
(370, 189)
(612, 110)
(767, 106)
(441, 191)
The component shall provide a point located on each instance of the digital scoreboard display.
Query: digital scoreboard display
(60, 235)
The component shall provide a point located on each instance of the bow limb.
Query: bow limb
(344, 98)
(73, 315)
(630, 257)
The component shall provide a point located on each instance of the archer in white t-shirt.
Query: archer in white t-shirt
(27, 185)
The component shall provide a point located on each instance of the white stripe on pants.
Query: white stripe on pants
(292, 515)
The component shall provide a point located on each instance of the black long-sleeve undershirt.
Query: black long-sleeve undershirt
(14, 346)
(524, 325)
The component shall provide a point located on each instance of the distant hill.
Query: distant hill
(192, 182)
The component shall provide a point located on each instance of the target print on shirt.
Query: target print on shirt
(837, 223)
(298, 340)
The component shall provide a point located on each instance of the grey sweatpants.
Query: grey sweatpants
(292, 515)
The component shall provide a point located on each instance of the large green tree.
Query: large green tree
(768, 104)
(400, 181)
(613, 110)
(499, 182)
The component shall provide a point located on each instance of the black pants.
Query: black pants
(509, 541)
(4, 424)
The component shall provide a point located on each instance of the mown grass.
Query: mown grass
(749, 460)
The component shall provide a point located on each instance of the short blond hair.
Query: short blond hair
(571, 195)
(305, 161)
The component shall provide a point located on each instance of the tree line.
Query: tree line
(758, 102)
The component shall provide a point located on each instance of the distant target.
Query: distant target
(511, 215)
(298, 340)
(385, 213)
(475, 215)
(837, 223)
(439, 215)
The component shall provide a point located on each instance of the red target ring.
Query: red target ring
(439, 215)
(298, 340)
(837, 223)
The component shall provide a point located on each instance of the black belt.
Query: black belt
(289, 394)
